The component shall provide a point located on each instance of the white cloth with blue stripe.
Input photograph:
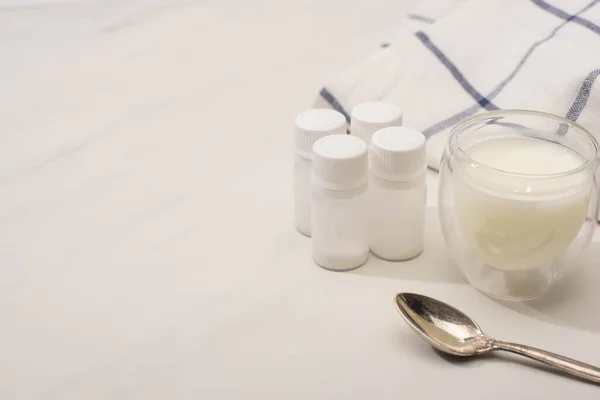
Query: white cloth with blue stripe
(457, 58)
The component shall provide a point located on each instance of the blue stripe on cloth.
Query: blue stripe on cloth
(498, 121)
(568, 17)
(580, 101)
(422, 18)
(583, 96)
(333, 102)
(483, 102)
(432, 130)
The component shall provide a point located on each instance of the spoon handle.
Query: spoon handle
(564, 364)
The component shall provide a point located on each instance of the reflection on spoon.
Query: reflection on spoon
(451, 331)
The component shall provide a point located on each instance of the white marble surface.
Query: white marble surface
(146, 240)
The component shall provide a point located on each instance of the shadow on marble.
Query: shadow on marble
(575, 303)
(465, 362)
(416, 347)
(432, 265)
(494, 357)
(507, 358)
(410, 343)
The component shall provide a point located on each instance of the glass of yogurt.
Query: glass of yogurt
(518, 200)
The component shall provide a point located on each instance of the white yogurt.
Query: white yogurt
(518, 223)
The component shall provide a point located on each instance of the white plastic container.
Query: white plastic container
(397, 193)
(371, 116)
(339, 202)
(309, 126)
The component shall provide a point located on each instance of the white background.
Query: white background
(147, 248)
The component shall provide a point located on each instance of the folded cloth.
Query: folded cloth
(457, 58)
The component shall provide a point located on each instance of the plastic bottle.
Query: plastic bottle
(397, 193)
(339, 202)
(371, 116)
(309, 126)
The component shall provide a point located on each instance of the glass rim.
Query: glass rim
(464, 124)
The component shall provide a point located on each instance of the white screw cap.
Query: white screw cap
(398, 154)
(313, 124)
(340, 162)
(369, 117)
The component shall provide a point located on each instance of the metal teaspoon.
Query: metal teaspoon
(451, 331)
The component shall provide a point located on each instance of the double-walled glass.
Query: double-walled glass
(518, 200)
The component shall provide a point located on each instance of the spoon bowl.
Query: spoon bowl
(452, 331)
(444, 327)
